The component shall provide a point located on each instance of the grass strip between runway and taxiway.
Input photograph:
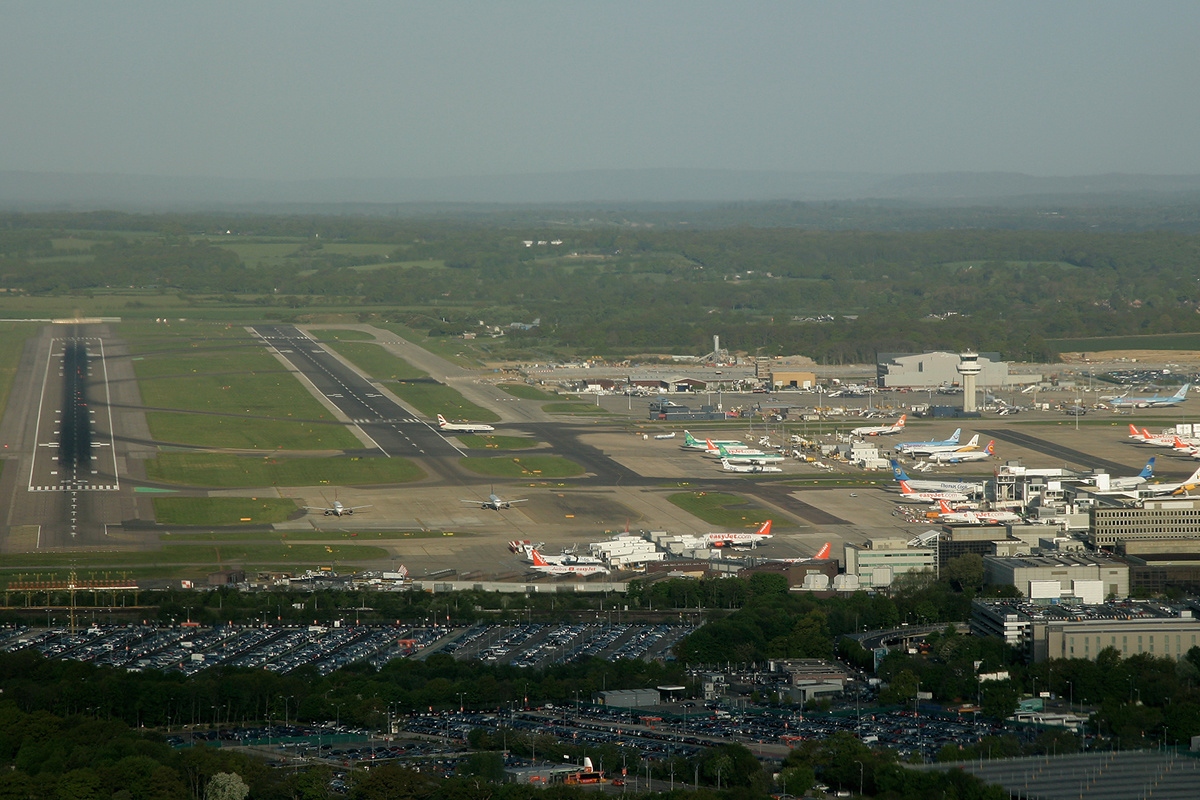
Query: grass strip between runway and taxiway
(222, 510)
(204, 557)
(574, 408)
(727, 510)
(223, 470)
(375, 361)
(487, 441)
(245, 398)
(311, 536)
(523, 467)
(525, 391)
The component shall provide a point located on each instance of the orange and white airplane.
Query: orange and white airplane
(880, 430)
(739, 539)
(947, 514)
(542, 565)
(821, 555)
(911, 495)
(964, 456)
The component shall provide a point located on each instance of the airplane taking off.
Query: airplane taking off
(336, 510)
(540, 564)
(975, 517)
(953, 440)
(1153, 401)
(965, 487)
(495, 503)
(729, 466)
(911, 495)
(964, 456)
(463, 427)
(928, 450)
(691, 443)
(738, 539)
(880, 430)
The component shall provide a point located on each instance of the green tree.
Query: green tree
(226, 786)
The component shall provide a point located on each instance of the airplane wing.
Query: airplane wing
(316, 508)
(354, 508)
(514, 502)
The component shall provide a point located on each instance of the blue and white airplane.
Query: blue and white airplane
(966, 487)
(1154, 401)
(953, 440)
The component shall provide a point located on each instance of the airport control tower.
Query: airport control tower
(969, 369)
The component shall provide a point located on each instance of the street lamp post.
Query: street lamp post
(860, 776)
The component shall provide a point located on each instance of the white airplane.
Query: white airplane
(1183, 487)
(540, 564)
(728, 466)
(911, 495)
(336, 510)
(714, 449)
(821, 555)
(1155, 440)
(928, 450)
(495, 503)
(691, 443)
(975, 517)
(965, 487)
(750, 456)
(670, 435)
(1129, 483)
(738, 539)
(463, 427)
(1154, 401)
(964, 456)
(564, 558)
(880, 430)
(953, 440)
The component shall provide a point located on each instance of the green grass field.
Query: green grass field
(377, 362)
(203, 558)
(1097, 344)
(13, 336)
(525, 391)
(432, 399)
(222, 510)
(524, 467)
(221, 370)
(222, 470)
(727, 510)
(456, 351)
(475, 441)
(311, 536)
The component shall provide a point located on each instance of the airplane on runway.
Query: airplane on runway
(336, 510)
(750, 456)
(975, 517)
(880, 430)
(821, 555)
(965, 487)
(692, 443)
(953, 441)
(738, 539)
(964, 456)
(911, 495)
(928, 450)
(540, 564)
(495, 503)
(463, 427)
(670, 435)
(728, 466)
(1154, 401)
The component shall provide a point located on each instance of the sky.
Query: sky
(301, 90)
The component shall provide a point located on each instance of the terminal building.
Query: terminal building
(878, 562)
(1043, 632)
(938, 368)
(1087, 577)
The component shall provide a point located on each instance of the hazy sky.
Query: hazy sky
(296, 90)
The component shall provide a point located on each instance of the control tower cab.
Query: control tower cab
(969, 369)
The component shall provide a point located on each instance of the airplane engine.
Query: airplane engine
(348, 511)
(328, 512)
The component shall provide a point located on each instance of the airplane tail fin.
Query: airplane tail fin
(955, 436)
(991, 447)
(944, 507)
(898, 471)
(823, 553)
(1133, 431)
(974, 441)
(442, 420)
(900, 422)
(1183, 390)
(538, 561)
(689, 439)
(905, 488)
(764, 529)
(1146, 434)
(1148, 470)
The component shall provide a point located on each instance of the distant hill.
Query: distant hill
(44, 191)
